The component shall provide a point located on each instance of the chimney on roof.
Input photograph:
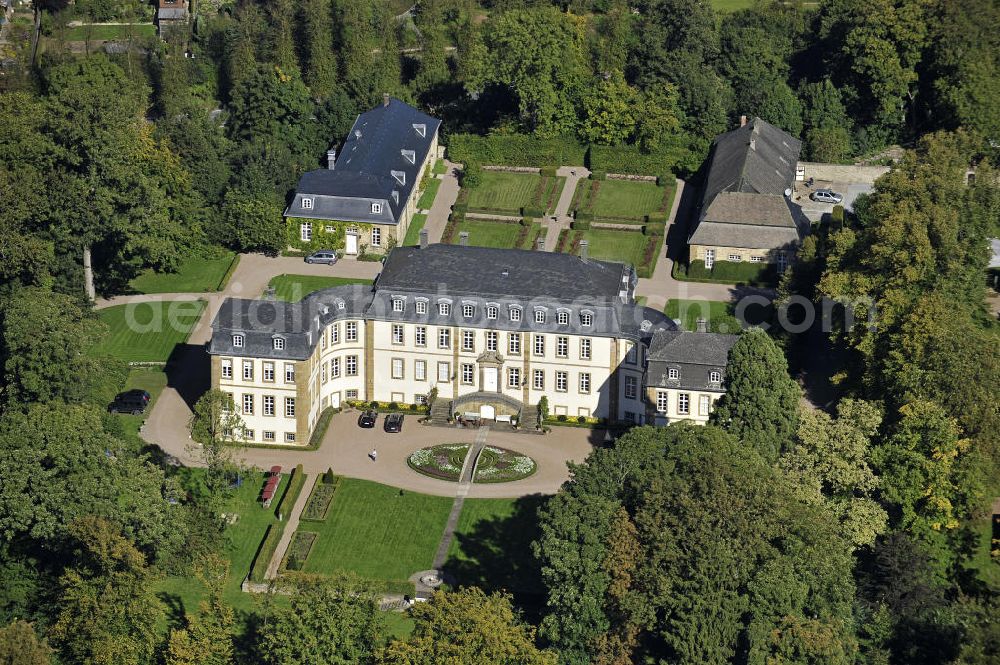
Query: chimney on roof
(701, 325)
(743, 121)
(584, 251)
(463, 238)
(423, 239)
(753, 144)
(331, 158)
(385, 99)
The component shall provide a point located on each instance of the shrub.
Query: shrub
(321, 426)
(293, 563)
(598, 175)
(472, 175)
(527, 221)
(543, 408)
(582, 215)
(580, 224)
(547, 172)
(630, 160)
(266, 551)
(516, 150)
(837, 217)
(460, 209)
(532, 212)
(393, 406)
(328, 477)
(581, 419)
(373, 404)
(562, 417)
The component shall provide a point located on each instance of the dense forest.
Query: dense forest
(780, 534)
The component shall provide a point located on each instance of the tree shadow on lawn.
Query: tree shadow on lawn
(498, 557)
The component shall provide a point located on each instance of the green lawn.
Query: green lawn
(430, 192)
(107, 32)
(295, 287)
(615, 245)
(986, 567)
(195, 274)
(625, 199)
(439, 167)
(413, 232)
(241, 542)
(379, 532)
(148, 332)
(507, 193)
(715, 313)
(483, 233)
(151, 379)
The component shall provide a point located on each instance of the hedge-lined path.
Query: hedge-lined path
(437, 216)
(562, 217)
(291, 526)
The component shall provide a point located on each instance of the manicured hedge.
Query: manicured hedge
(532, 212)
(516, 150)
(580, 224)
(630, 160)
(258, 568)
(597, 174)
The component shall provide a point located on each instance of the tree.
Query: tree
(216, 427)
(827, 127)
(253, 221)
(107, 608)
(611, 110)
(321, 67)
(538, 56)
(761, 402)
(46, 338)
(283, 21)
(329, 622)
(467, 627)
(207, 638)
(20, 645)
(830, 459)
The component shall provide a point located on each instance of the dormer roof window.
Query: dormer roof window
(238, 341)
(421, 129)
(307, 203)
(400, 176)
(278, 343)
(376, 208)
(409, 155)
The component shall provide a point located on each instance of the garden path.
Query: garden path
(561, 218)
(437, 216)
(290, 527)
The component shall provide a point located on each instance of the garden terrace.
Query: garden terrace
(512, 193)
(494, 233)
(629, 201)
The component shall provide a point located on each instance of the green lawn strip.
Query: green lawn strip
(530, 239)
(107, 32)
(483, 233)
(379, 532)
(148, 332)
(727, 272)
(151, 379)
(628, 199)
(439, 167)
(195, 274)
(716, 314)
(430, 192)
(986, 567)
(296, 287)
(503, 192)
(413, 232)
(613, 245)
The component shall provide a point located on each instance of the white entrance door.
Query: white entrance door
(487, 412)
(352, 244)
(709, 258)
(490, 379)
(335, 400)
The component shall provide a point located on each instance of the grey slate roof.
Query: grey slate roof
(694, 354)
(480, 270)
(750, 169)
(364, 167)
(171, 13)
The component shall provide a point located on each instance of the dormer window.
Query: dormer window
(515, 313)
(715, 376)
(586, 319)
(307, 203)
(279, 343)
(468, 310)
(563, 318)
(376, 208)
(238, 341)
(539, 316)
(421, 129)
(421, 307)
(340, 304)
(398, 304)
(444, 308)
(400, 176)
(673, 374)
(409, 155)
(492, 312)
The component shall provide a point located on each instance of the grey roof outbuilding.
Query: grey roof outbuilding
(695, 355)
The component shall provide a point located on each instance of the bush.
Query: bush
(516, 150)
(460, 208)
(548, 172)
(472, 175)
(266, 551)
(665, 180)
(837, 217)
(583, 215)
(543, 408)
(328, 477)
(532, 212)
(562, 417)
(393, 406)
(598, 175)
(321, 426)
(527, 221)
(581, 419)
(580, 224)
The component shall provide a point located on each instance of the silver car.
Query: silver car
(327, 256)
(826, 196)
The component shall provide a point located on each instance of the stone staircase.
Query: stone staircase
(440, 411)
(529, 418)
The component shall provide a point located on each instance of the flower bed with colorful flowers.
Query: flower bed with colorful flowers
(443, 461)
(499, 465)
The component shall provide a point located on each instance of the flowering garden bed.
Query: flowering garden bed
(443, 461)
(499, 465)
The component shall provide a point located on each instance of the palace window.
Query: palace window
(514, 343)
(586, 319)
(335, 333)
(420, 335)
(514, 377)
(289, 437)
(420, 370)
(268, 372)
(444, 338)
(279, 343)
(444, 308)
(397, 333)
(376, 236)
(704, 405)
(515, 313)
(539, 379)
(468, 310)
(715, 376)
(397, 368)
(562, 381)
(306, 231)
(468, 340)
(351, 365)
(421, 307)
(238, 341)
(584, 382)
(227, 368)
(662, 400)
(289, 407)
(398, 304)
(683, 403)
(673, 374)
(468, 373)
(562, 347)
(307, 203)
(444, 372)
(631, 387)
(539, 316)
(268, 405)
(289, 373)
(563, 318)
(248, 370)
(376, 208)
(351, 331)
(539, 345)
(585, 350)
(248, 405)
(492, 311)
(334, 368)
(491, 340)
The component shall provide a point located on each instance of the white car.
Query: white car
(826, 196)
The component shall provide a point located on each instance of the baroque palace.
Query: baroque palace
(489, 331)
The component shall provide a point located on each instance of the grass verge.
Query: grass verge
(293, 288)
(413, 232)
(149, 331)
(429, 194)
(195, 274)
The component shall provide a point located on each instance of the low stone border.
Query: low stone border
(513, 169)
(626, 176)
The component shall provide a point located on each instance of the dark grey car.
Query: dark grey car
(327, 256)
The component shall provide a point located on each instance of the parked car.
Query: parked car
(128, 403)
(826, 196)
(136, 393)
(367, 418)
(327, 256)
(394, 422)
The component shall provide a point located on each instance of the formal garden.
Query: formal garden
(507, 193)
(495, 465)
(523, 234)
(627, 201)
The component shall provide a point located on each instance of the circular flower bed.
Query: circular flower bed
(443, 461)
(499, 465)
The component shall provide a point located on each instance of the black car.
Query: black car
(135, 393)
(367, 419)
(393, 422)
(128, 403)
